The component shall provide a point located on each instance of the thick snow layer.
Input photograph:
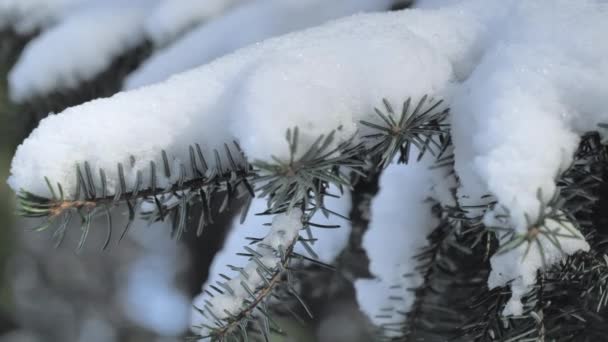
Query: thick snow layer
(256, 20)
(285, 228)
(401, 219)
(520, 264)
(172, 17)
(78, 48)
(26, 16)
(317, 79)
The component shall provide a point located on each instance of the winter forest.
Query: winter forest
(303, 170)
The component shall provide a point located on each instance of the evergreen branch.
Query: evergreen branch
(267, 276)
(489, 324)
(287, 183)
(453, 267)
(552, 217)
(297, 185)
(423, 127)
(234, 324)
(93, 198)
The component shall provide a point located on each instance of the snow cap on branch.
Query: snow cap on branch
(318, 80)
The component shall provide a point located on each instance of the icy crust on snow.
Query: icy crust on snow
(78, 48)
(285, 228)
(172, 17)
(255, 20)
(317, 79)
(520, 264)
(26, 16)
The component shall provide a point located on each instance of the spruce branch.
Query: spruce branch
(423, 127)
(265, 273)
(266, 279)
(552, 217)
(92, 197)
(298, 183)
(287, 183)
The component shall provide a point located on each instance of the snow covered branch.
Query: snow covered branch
(525, 84)
(238, 300)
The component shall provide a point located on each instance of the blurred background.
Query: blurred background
(142, 288)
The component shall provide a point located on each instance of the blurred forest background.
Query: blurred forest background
(141, 289)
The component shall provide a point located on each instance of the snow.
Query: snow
(401, 219)
(542, 83)
(256, 21)
(523, 78)
(329, 244)
(283, 231)
(91, 34)
(521, 263)
(26, 16)
(78, 48)
(299, 79)
(150, 297)
(173, 17)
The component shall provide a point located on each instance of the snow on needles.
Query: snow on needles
(329, 242)
(523, 78)
(256, 21)
(521, 263)
(284, 230)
